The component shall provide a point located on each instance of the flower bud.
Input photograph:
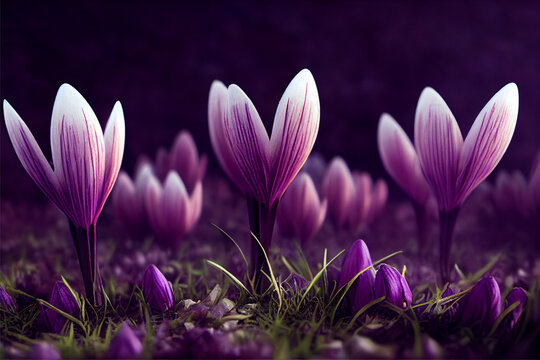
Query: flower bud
(519, 295)
(63, 299)
(356, 260)
(390, 283)
(481, 307)
(156, 289)
(125, 344)
(296, 283)
(6, 301)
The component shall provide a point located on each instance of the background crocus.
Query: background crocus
(338, 189)
(6, 301)
(61, 298)
(481, 306)
(400, 160)
(86, 163)
(453, 167)
(184, 159)
(390, 283)
(262, 166)
(125, 344)
(301, 213)
(172, 211)
(515, 295)
(368, 200)
(156, 289)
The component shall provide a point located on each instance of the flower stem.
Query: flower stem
(447, 222)
(86, 247)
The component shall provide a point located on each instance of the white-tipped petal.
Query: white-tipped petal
(438, 143)
(30, 155)
(400, 160)
(487, 140)
(295, 129)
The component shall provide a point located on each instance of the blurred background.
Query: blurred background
(159, 58)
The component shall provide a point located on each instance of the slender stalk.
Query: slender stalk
(422, 226)
(447, 222)
(86, 248)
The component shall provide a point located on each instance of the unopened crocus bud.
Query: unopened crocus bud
(6, 301)
(63, 299)
(296, 283)
(125, 344)
(44, 351)
(390, 283)
(515, 295)
(481, 307)
(356, 260)
(156, 289)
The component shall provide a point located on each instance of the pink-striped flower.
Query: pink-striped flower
(172, 211)
(86, 164)
(453, 167)
(301, 213)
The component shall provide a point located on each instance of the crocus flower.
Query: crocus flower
(338, 188)
(44, 351)
(172, 212)
(301, 213)
(63, 299)
(512, 194)
(368, 200)
(156, 289)
(184, 159)
(296, 283)
(481, 306)
(125, 344)
(6, 301)
(161, 163)
(86, 164)
(262, 166)
(315, 166)
(390, 283)
(357, 260)
(515, 295)
(129, 199)
(454, 167)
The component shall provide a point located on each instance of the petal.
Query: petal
(438, 143)
(161, 165)
(124, 200)
(309, 218)
(78, 152)
(379, 196)
(338, 189)
(184, 159)
(361, 200)
(30, 155)
(217, 113)
(114, 138)
(295, 129)
(174, 205)
(400, 160)
(249, 143)
(152, 199)
(487, 140)
(195, 206)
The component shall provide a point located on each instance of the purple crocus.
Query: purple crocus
(454, 167)
(358, 259)
(301, 213)
(63, 299)
(125, 344)
(184, 159)
(172, 211)
(338, 188)
(481, 306)
(86, 164)
(515, 295)
(44, 351)
(512, 194)
(400, 160)
(261, 166)
(390, 283)
(156, 289)
(296, 284)
(6, 301)
(368, 200)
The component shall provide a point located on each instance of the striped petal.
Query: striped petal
(114, 138)
(30, 155)
(295, 129)
(438, 143)
(249, 143)
(487, 140)
(338, 189)
(217, 113)
(78, 152)
(400, 160)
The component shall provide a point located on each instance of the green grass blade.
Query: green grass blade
(237, 282)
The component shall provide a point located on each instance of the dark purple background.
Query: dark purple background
(160, 58)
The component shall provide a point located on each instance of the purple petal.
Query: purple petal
(338, 189)
(125, 344)
(184, 159)
(31, 156)
(361, 200)
(481, 306)
(249, 144)
(6, 301)
(175, 208)
(78, 152)
(515, 295)
(63, 299)
(438, 143)
(195, 206)
(124, 201)
(295, 129)
(161, 165)
(356, 260)
(156, 289)
(390, 283)
(152, 200)
(44, 351)
(217, 112)
(487, 140)
(114, 138)
(400, 160)
(379, 197)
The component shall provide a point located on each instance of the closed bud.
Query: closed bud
(390, 283)
(156, 289)
(63, 299)
(481, 307)
(6, 301)
(515, 295)
(296, 283)
(125, 344)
